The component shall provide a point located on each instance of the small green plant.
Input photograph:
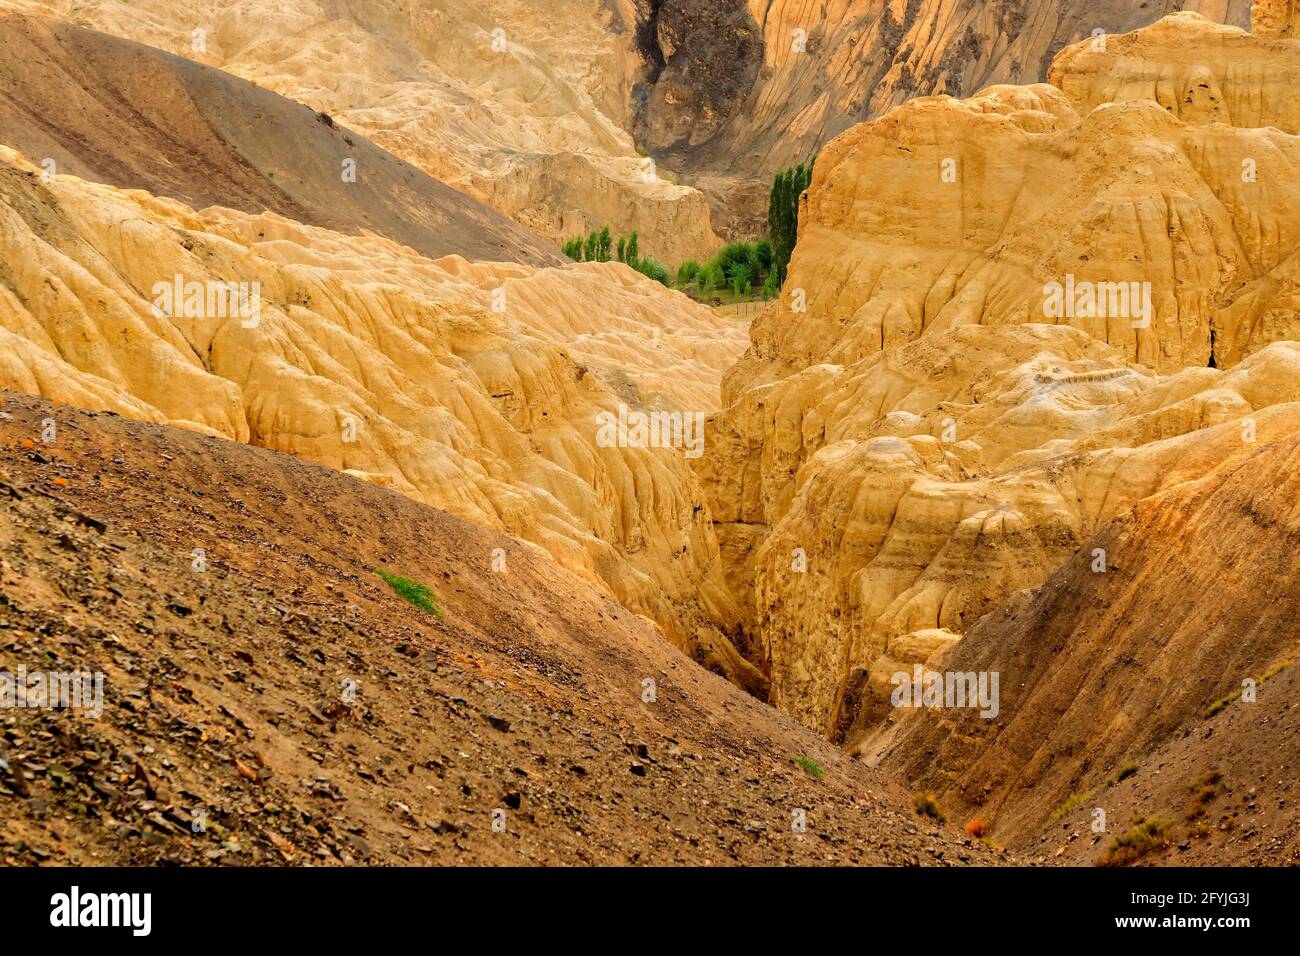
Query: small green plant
(927, 805)
(1223, 702)
(686, 273)
(1145, 836)
(809, 766)
(1204, 789)
(1072, 803)
(412, 592)
(1126, 771)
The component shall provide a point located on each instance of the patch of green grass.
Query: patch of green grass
(1223, 702)
(1072, 803)
(412, 592)
(1204, 789)
(809, 766)
(1145, 836)
(1220, 704)
(927, 805)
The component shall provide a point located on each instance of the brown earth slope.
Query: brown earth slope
(118, 112)
(1201, 591)
(1226, 787)
(227, 688)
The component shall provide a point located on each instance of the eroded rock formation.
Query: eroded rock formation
(451, 382)
(906, 443)
(797, 74)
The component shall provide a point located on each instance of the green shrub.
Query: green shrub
(412, 592)
(1144, 837)
(652, 270)
(740, 278)
(927, 805)
(809, 766)
(1072, 803)
(686, 273)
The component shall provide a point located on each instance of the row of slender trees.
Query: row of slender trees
(738, 266)
(783, 214)
(600, 246)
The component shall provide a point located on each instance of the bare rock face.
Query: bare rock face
(1199, 71)
(1274, 18)
(922, 427)
(448, 381)
(705, 58)
(523, 105)
(998, 209)
(869, 505)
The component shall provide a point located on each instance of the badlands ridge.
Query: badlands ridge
(912, 460)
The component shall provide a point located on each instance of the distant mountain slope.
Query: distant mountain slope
(522, 104)
(118, 112)
(283, 694)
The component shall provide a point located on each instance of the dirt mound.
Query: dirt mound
(1165, 617)
(282, 700)
(115, 111)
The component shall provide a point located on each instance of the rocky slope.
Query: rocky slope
(1101, 669)
(532, 120)
(118, 112)
(450, 381)
(906, 443)
(280, 705)
(1224, 785)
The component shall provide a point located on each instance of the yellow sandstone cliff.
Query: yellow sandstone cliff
(922, 427)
